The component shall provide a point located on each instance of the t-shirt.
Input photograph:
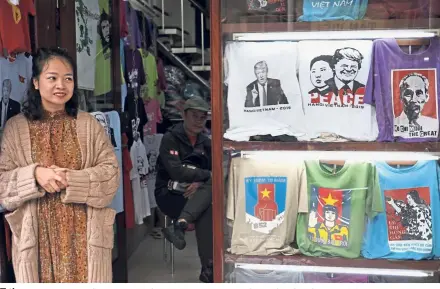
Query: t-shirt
(152, 145)
(87, 17)
(339, 200)
(150, 68)
(314, 10)
(274, 6)
(133, 27)
(15, 78)
(404, 89)
(14, 26)
(407, 227)
(241, 275)
(123, 19)
(138, 181)
(334, 278)
(103, 80)
(332, 76)
(264, 198)
(135, 73)
(263, 91)
(403, 279)
(152, 108)
(112, 126)
(128, 192)
(115, 132)
(411, 9)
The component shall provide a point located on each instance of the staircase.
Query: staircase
(182, 24)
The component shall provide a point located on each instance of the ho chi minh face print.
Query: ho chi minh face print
(414, 98)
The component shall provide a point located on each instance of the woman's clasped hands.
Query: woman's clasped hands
(52, 179)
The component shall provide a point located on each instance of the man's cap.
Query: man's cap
(197, 104)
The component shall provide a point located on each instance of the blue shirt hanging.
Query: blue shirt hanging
(323, 10)
(409, 226)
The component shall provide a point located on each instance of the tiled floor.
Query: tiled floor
(147, 264)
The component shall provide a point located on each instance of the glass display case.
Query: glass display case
(325, 130)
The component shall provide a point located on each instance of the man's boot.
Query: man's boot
(176, 234)
(207, 273)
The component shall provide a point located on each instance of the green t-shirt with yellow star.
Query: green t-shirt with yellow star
(339, 200)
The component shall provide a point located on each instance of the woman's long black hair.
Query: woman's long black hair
(33, 107)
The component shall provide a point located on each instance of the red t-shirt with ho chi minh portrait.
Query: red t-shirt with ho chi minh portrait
(14, 25)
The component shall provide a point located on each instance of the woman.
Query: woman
(58, 173)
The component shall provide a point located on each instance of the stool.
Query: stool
(165, 243)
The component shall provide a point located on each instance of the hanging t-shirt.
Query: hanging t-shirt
(14, 25)
(241, 275)
(405, 9)
(152, 145)
(133, 27)
(316, 10)
(112, 125)
(339, 201)
(407, 228)
(403, 279)
(332, 76)
(264, 198)
(152, 107)
(87, 17)
(123, 19)
(334, 278)
(115, 130)
(138, 181)
(123, 71)
(103, 67)
(128, 192)
(137, 117)
(274, 6)
(135, 73)
(263, 91)
(15, 78)
(404, 89)
(150, 68)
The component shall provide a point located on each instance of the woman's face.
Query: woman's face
(410, 201)
(55, 84)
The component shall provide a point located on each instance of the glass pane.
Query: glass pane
(93, 43)
(331, 122)
(94, 64)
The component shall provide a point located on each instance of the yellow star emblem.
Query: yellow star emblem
(329, 200)
(266, 193)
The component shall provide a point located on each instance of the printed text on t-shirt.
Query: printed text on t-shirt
(328, 4)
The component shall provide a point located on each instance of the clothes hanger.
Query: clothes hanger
(401, 163)
(334, 163)
(414, 42)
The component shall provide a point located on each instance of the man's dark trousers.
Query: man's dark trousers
(196, 210)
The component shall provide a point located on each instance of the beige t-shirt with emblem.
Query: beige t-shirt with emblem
(264, 199)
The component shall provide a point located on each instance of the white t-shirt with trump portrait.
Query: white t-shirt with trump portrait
(264, 97)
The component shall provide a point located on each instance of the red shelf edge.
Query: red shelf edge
(431, 147)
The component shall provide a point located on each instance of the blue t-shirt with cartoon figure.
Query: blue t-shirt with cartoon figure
(323, 10)
(408, 226)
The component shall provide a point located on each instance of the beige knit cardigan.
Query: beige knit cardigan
(94, 185)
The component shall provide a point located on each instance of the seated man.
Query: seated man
(183, 183)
